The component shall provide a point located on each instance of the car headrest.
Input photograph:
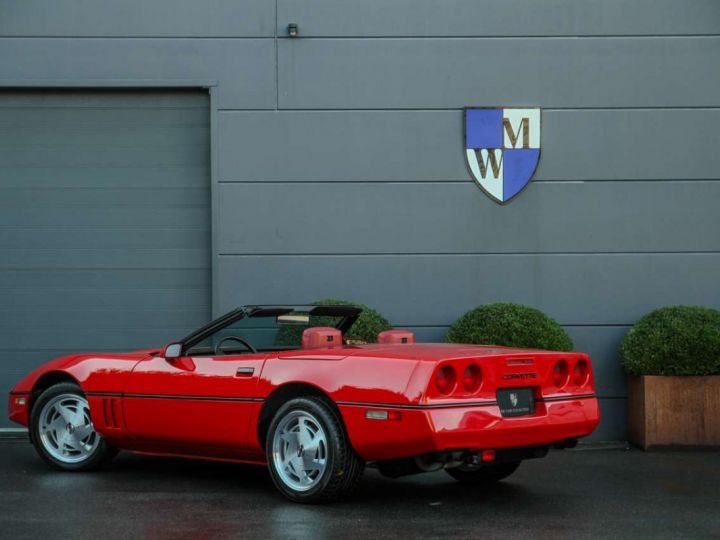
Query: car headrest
(321, 337)
(396, 336)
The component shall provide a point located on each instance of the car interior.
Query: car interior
(261, 329)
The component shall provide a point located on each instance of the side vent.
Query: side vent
(111, 413)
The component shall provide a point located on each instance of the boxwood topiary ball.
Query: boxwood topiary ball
(673, 340)
(510, 325)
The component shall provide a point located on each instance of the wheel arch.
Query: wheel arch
(281, 395)
(46, 380)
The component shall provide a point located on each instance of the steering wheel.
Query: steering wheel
(240, 340)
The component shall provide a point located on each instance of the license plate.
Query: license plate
(516, 401)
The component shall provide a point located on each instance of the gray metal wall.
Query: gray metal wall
(338, 165)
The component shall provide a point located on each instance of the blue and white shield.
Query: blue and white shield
(502, 149)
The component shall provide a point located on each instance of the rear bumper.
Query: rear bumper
(426, 429)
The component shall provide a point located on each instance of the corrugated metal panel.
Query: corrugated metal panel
(138, 18)
(243, 68)
(452, 218)
(451, 73)
(400, 146)
(482, 18)
(421, 290)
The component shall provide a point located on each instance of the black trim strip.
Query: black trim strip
(349, 403)
(566, 398)
(434, 406)
(172, 396)
(18, 393)
(454, 405)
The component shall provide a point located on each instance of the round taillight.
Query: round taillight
(445, 380)
(580, 373)
(560, 374)
(471, 379)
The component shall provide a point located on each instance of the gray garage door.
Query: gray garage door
(104, 222)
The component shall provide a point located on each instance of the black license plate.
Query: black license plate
(516, 401)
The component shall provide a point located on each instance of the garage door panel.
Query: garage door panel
(158, 299)
(105, 258)
(104, 222)
(105, 217)
(67, 119)
(115, 99)
(99, 238)
(99, 155)
(89, 340)
(72, 197)
(93, 136)
(121, 278)
(124, 176)
(101, 319)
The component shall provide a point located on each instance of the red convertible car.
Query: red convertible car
(278, 385)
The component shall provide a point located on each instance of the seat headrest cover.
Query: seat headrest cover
(396, 336)
(321, 337)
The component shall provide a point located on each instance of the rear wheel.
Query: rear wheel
(62, 431)
(309, 454)
(485, 474)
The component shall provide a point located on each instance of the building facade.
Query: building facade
(162, 162)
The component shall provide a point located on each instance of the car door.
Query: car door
(200, 403)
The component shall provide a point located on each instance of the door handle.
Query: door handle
(244, 371)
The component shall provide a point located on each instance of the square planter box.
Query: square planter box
(674, 411)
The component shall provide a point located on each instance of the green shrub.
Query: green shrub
(510, 325)
(366, 328)
(673, 340)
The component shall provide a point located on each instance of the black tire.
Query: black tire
(487, 474)
(343, 468)
(101, 455)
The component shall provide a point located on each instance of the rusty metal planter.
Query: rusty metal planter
(674, 411)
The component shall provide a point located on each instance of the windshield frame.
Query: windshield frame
(348, 313)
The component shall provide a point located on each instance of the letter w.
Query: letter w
(495, 164)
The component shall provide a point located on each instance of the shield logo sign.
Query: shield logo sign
(502, 149)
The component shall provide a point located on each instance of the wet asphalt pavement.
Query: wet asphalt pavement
(569, 494)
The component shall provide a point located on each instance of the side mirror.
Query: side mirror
(174, 350)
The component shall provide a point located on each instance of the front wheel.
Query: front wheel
(309, 454)
(62, 432)
(485, 474)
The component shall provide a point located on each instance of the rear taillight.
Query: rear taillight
(445, 380)
(560, 374)
(580, 373)
(472, 378)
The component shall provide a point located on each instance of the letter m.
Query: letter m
(512, 134)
